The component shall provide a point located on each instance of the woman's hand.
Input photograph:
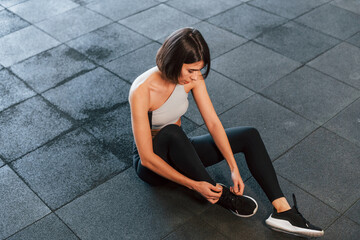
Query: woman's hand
(239, 185)
(208, 191)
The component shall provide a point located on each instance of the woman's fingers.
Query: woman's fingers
(216, 188)
(214, 192)
(242, 187)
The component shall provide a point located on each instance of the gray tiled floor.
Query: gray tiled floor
(109, 42)
(53, 67)
(246, 20)
(31, 40)
(129, 66)
(12, 90)
(311, 166)
(251, 63)
(159, 21)
(351, 5)
(342, 23)
(50, 227)
(341, 62)
(85, 96)
(355, 40)
(73, 23)
(116, 10)
(288, 8)
(314, 95)
(290, 68)
(38, 10)
(19, 205)
(10, 22)
(296, 41)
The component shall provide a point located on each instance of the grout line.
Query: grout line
(332, 77)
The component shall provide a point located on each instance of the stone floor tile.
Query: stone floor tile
(354, 212)
(188, 125)
(50, 227)
(205, 8)
(10, 22)
(343, 229)
(341, 62)
(95, 92)
(313, 209)
(254, 66)
(297, 42)
(355, 40)
(131, 65)
(159, 21)
(31, 40)
(124, 207)
(38, 10)
(342, 23)
(351, 5)
(320, 159)
(312, 94)
(83, 2)
(50, 68)
(9, 3)
(73, 23)
(107, 43)
(224, 94)
(347, 123)
(27, 126)
(1, 163)
(219, 40)
(184, 197)
(12, 90)
(19, 205)
(198, 132)
(279, 128)
(114, 130)
(117, 10)
(190, 230)
(246, 20)
(60, 176)
(287, 8)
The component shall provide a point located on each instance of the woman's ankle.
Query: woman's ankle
(281, 204)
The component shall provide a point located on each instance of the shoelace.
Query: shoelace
(297, 210)
(229, 198)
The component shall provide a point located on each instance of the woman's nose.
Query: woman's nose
(194, 76)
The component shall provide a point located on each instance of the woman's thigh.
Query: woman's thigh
(208, 151)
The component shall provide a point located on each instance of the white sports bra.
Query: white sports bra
(174, 107)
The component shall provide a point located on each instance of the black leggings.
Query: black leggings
(190, 156)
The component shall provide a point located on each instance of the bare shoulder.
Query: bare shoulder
(198, 84)
(141, 87)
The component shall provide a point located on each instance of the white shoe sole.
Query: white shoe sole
(286, 227)
(255, 210)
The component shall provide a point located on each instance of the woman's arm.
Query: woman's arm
(139, 105)
(216, 130)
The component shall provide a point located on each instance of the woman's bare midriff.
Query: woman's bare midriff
(155, 131)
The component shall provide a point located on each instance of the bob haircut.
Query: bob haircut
(185, 45)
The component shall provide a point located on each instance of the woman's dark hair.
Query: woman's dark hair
(185, 45)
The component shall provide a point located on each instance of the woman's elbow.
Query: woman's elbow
(145, 160)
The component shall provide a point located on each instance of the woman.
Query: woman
(163, 152)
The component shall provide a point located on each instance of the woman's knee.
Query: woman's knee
(252, 132)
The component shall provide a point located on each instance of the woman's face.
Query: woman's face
(190, 72)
